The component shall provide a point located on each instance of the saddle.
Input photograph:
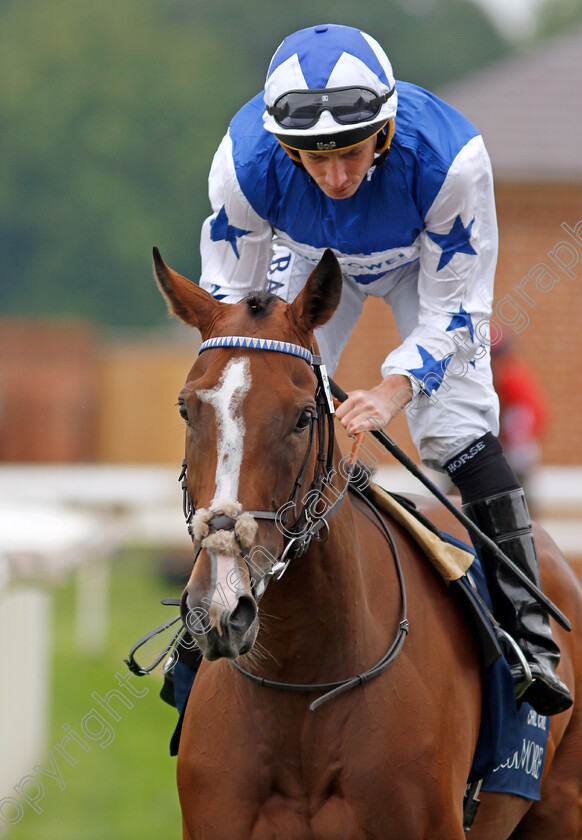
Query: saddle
(433, 528)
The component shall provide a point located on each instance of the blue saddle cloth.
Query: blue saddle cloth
(513, 738)
(512, 741)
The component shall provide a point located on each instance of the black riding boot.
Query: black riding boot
(504, 518)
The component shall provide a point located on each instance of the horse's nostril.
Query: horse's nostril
(243, 614)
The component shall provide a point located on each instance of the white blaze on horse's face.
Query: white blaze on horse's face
(226, 399)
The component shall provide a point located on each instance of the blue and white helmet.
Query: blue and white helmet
(328, 87)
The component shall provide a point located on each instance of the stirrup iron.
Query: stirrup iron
(523, 684)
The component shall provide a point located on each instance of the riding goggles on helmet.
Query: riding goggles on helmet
(347, 105)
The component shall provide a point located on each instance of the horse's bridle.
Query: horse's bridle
(303, 530)
(305, 526)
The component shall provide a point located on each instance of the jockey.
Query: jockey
(337, 154)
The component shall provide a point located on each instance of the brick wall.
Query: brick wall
(139, 382)
(67, 395)
(47, 391)
(530, 219)
(545, 325)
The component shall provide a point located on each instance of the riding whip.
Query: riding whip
(467, 523)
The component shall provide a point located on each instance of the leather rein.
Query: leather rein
(334, 689)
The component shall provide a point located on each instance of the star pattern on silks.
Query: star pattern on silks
(456, 241)
(220, 229)
(461, 319)
(432, 371)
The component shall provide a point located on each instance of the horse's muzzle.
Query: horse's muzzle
(221, 631)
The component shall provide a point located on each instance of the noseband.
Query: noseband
(305, 526)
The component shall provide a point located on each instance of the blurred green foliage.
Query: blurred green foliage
(557, 16)
(111, 110)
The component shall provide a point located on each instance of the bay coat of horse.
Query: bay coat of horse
(388, 760)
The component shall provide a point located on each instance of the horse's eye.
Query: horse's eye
(304, 420)
(183, 411)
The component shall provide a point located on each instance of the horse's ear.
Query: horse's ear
(185, 299)
(319, 298)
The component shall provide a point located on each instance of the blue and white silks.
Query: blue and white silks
(420, 232)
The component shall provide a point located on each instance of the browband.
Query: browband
(249, 343)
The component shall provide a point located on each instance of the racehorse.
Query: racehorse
(281, 600)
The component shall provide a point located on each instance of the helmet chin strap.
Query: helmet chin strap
(383, 140)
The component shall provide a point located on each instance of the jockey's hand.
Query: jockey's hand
(374, 408)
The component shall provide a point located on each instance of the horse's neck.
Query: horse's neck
(318, 605)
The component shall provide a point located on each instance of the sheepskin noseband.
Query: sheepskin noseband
(223, 529)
